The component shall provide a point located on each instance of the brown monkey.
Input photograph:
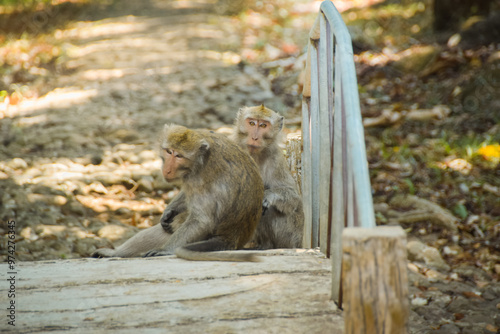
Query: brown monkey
(257, 129)
(218, 208)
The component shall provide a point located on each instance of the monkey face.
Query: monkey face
(182, 150)
(175, 165)
(258, 131)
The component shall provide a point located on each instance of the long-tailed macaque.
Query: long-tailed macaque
(218, 208)
(257, 130)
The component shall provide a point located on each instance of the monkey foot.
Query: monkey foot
(103, 252)
(156, 253)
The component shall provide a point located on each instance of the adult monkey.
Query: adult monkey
(257, 130)
(218, 208)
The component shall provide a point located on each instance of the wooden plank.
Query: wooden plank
(375, 282)
(338, 209)
(324, 139)
(286, 292)
(315, 142)
(306, 90)
(306, 173)
(314, 33)
(356, 141)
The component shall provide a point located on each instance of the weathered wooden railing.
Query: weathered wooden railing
(335, 182)
(336, 188)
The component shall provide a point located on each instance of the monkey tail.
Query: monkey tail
(208, 251)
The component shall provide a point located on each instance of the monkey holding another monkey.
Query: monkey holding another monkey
(257, 130)
(219, 205)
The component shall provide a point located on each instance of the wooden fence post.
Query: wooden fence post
(294, 158)
(375, 281)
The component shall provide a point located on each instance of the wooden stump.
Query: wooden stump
(375, 282)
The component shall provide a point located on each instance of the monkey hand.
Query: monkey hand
(269, 201)
(166, 220)
(265, 206)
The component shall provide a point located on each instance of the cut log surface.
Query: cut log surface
(375, 280)
(287, 292)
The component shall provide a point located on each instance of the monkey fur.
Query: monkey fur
(258, 130)
(219, 205)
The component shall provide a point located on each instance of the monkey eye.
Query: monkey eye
(263, 125)
(169, 151)
(252, 123)
(177, 155)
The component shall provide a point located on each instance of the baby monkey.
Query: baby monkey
(219, 205)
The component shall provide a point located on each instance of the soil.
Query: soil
(79, 167)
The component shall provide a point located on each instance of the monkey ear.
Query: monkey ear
(279, 124)
(240, 118)
(204, 146)
(167, 127)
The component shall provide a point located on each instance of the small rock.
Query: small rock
(146, 184)
(415, 249)
(447, 329)
(108, 178)
(418, 251)
(31, 246)
(433, 259)
(47, 199)
(126, 135)
(434, 276)
(74, 207)
(452, 250)
(50, 231)
(95, 225)
(28, 234)
(147, 155)
(97, 187)
(477, 317)
(458, 304)
(114, 232)
(17, 163)
(433, 314)
(419, 301)
(9, 204)
(123, 211)
(85, 247)
(472, 273)
(60, 246)
(96, 159)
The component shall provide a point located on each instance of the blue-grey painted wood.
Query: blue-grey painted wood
(324, 137)
(338, 209)
(356, 144)
(336, 194)
(315, 142)
(306, 174)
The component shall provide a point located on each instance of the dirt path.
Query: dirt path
(84, 155)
